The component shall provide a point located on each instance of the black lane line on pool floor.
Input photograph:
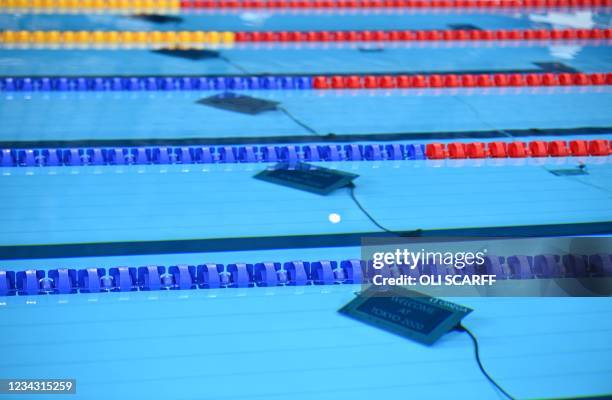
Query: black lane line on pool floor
(330, 138)
(108, 249)
(542, 67)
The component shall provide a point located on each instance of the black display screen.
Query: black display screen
(405, 312)
(307, 177)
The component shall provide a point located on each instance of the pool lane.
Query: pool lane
(111, 116)
(366, 58)
(200, 343)
(281, 332)
(253, 20)
(181, 202)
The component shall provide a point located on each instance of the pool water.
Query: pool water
(288, 341)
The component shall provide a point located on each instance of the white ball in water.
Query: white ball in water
(334, 218)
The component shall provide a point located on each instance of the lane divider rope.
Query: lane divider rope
(192, 83)
(170, 39)
(93, 5)
(391, 4)
(178, 5)
(293, 154)
(198, 39)
(425, 35)
(295, 273)
(463, 80)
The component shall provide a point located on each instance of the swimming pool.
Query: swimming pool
(456, 119)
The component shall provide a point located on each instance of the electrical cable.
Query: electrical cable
(414, 233)
(297, 121)
(279, 108)
(233, 64)
(481, 119)
(582, 167)
(462, 328)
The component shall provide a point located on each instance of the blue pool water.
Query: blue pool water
(252, 20)
(198, 345)
(177, 115)
(181, 202)
(289, 342)
(311, 59)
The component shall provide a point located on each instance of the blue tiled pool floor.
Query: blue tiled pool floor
(171, 115)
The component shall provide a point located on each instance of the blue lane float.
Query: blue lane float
(207, 155)
(101, 84)
(295, 273)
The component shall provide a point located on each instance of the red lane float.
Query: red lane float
(423, 35)
(392, 4)
(457, 81)
(518, 149)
